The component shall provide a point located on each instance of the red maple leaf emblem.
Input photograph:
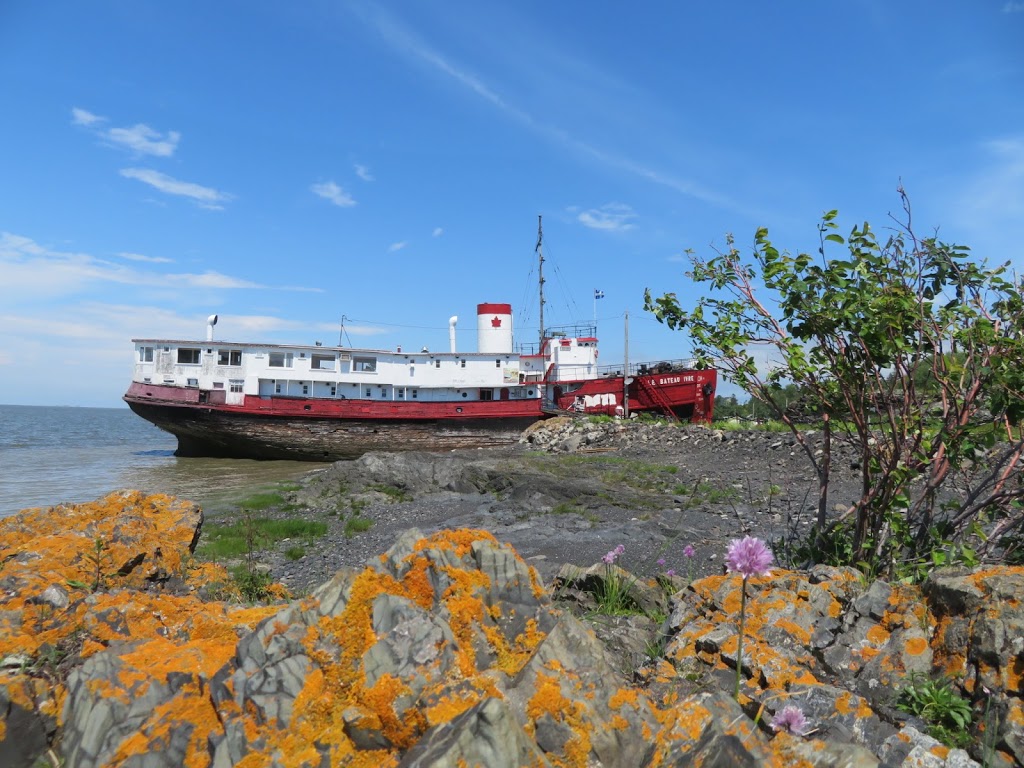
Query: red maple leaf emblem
(496, 322)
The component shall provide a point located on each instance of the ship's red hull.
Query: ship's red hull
(308, 429)
(318, 429)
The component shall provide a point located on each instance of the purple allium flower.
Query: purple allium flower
(670, 572)
(612, 556)
(749, 557)
(791, 719)
(661, 561)
(689, 551)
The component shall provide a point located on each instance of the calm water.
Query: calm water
(53, 455)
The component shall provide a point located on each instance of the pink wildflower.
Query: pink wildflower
(791, 719)
(661, 561)
(749, 557)
(689, 551)
(612, 556)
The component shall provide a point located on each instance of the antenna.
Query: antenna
(341, 333)
(540, 279)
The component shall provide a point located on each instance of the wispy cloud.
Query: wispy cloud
(437, 232)
(397, 246)
(1013, 7)
(144, 140)
(31, 271)
(613, 217)
(330, 191)
(364, 173)
(206, 197)
(144, 258)
(139, 138)
(210, 279)
(406, 42)
(83, 117)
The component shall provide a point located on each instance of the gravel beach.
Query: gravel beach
(569, 493)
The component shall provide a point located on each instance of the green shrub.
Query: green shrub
(253, 583)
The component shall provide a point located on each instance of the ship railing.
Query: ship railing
(573, 331)
(649, 368)
(576, 331)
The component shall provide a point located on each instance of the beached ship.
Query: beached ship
(321, 403)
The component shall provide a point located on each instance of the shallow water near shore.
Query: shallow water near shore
(53, 455)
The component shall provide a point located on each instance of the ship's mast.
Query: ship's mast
(540, 279)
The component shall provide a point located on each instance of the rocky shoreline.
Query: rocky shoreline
(569, 492)
(464, 646)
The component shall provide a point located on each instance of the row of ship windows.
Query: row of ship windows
(236, 385)
(233, 357)
(399, 391)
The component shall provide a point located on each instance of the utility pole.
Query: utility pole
(625, 372)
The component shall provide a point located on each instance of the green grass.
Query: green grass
(753, 426)
(230, 541)
(565, 508)
(295, 553)
(262, 500)
(356, 524)
(706, 493)
(617, 470)
(392, 492)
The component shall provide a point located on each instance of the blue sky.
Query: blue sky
(285, 164)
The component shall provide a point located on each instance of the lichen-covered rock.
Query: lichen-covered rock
(366, 668)
(28, 719)
(486, 735)
(447, 651)
(80, 579)
(577, 705)
(712, 731)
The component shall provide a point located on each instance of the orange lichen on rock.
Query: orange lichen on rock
(941, 751)
(337, 646)
(877, 635)
(190, 712)
(624, 696)
(847, 703)
(947, 656)
(794, 629)
(124, 538)
(915, 646)
(459, 540)
(548, 700)
(380, 699)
